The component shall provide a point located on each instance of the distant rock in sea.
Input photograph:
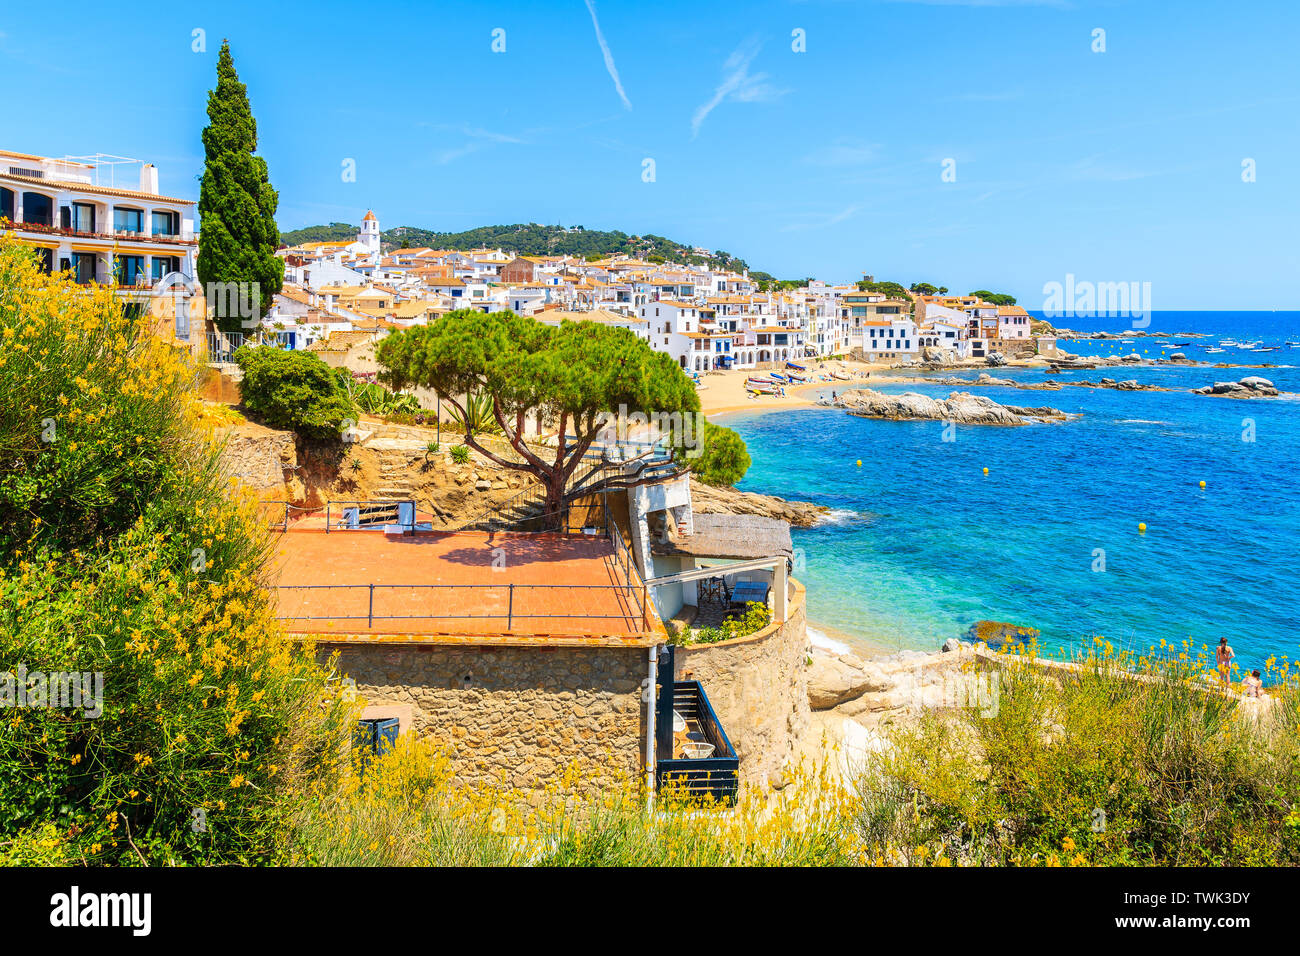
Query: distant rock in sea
(961, 408)
(1252, 386)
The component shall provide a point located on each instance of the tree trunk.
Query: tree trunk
(555, 483)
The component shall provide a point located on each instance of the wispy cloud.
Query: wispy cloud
(843, 152)
(737, 84)
(1062, 4)
(1096, 169)
(609, 57)
(821, 222)
(984, 97)
(476, 139)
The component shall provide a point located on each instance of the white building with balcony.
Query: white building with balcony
(79, 215)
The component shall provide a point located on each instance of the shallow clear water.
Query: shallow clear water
(924, 544)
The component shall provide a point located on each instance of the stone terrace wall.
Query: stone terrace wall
(515, 714)
(758, 686)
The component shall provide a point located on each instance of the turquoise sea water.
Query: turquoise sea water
(923, 544)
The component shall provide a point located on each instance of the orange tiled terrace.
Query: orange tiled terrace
(375, 585)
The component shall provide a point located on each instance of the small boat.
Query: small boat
(844, 378)
(798, 368)
(1294, 345)
(1270, 348)
(1212, 351)
(1179, 345)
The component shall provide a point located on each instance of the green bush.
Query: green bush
(722, 460)
(213, 728)
(756, 617)
(296, 391)
(460, 454)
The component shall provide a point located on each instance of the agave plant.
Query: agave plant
(478, 417)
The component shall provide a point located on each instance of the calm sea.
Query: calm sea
(923, 544)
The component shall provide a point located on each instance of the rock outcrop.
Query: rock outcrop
(835, 680)
(961, 408)
(1252, 386)
(709, 499)
(1127, 385)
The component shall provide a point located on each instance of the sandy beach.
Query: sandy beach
(724, 392)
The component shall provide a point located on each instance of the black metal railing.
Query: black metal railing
(507, 602)
(711, 779)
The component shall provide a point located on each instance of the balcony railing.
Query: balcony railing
(174, 239)
(697, 763)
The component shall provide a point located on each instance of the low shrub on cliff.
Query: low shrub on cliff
(186, 729)
(1091, 766)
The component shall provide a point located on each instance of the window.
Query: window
(129, 269)
(162, 265)
(128, 220)
(46, 259)
(83, 267)
(6, 204)
(164, 224)
(38, 210)
(83, 217)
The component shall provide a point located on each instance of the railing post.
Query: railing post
(327, 517)
(370, 613)
(510, 608)
(645, 616)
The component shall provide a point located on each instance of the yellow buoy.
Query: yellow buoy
(1142, 527)
(859, 462)
(1202, 484)
(986, 471)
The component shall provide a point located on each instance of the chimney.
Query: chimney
(149, 179)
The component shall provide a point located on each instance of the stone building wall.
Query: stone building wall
(758, 686)
(519, 715)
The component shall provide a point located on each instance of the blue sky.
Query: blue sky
(1123, 165)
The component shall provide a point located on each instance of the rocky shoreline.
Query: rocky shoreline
(1252, 386)
(709, 499)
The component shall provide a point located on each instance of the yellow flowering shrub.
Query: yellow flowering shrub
(125, 553)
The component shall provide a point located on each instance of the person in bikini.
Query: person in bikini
(1223, 656)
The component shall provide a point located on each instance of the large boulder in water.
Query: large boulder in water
(996, 359)
(997, 633)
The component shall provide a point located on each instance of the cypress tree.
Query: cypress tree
(238, 234)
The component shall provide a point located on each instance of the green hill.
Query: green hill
(528, 239)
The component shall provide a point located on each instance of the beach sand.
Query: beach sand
(725, 392)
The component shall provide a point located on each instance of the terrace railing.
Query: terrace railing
(171, 240)
(711, 779)
(223, 345)
(480, 602)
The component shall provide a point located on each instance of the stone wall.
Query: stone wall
(519, 715)
(758, 686)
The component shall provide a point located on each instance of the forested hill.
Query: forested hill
(528, 239)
